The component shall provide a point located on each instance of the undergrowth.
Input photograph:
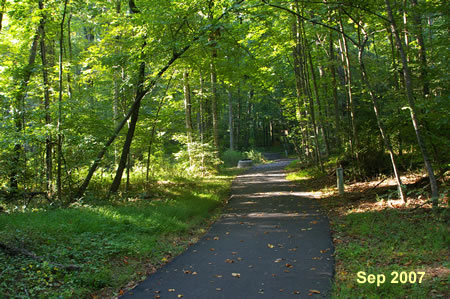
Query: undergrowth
(372, 236)
(112, 242)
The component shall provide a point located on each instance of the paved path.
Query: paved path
(271, 242)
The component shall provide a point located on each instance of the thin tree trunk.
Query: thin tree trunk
(346, 56)
(422, 52)
(380, 123)
(230, 119)
(215, 120)
(187, 105)
(201, 110)
(19, 98)
(412, 107)
(2, 11)
(188, 113)
(48, 139)
(130, 134)
(155, 122)
(59, 157)
(337, 120)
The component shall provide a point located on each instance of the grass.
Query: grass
(116, 243)
(377, 237)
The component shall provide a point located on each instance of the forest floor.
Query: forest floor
(109, 243)
(376, 234)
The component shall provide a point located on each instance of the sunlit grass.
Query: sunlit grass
(370, 236)
(111, 240)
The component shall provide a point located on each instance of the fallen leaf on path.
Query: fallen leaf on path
(315, 291)
(157, 296)
(287, 271)
(278, 260)
(187, 271)
(216, 238)
(218, 276)
(157, 292)
(212, 249)
(239, 259)
(317, 258)
(171, 290)
(296, 292)
(180, 295)
(194, 273)
(273, 275)
(238, 275)
(234, 253)
(218, 289)
(227, 233)
(281, 290)
(289, 266)
(270, 245)
(293, 249)
(229, 261)
(313, 222)
(121, 292)
(325, 250)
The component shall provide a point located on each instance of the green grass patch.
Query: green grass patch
(387, 241)
(377, 239)
(113, 242)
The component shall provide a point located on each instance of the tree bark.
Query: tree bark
(187, 106)
(422, 52)
(130, 134)
(61, 48)
(230, 119)
(48, 139)
(19, 98)
(412, 106)
(215, 120)
(337, 118)
(346, 56)
(2, 11)
(380, 123)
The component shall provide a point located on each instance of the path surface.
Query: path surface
(271, 242)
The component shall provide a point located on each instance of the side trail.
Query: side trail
(271, 242)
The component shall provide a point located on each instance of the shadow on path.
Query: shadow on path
(271, 242)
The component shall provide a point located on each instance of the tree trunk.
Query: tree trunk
(412, 107)
(130, 134)
(380, 123)
(59, 158)
(2, 11)
(48, 139)
(188, 113)
(346, 56)
(337, 119)
(230, 119)
(215, 120)
(187, 105)
(19, 98)
(422, 52)
(201, 111)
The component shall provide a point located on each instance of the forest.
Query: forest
(108, 103)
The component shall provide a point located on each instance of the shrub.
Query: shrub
(231, 158)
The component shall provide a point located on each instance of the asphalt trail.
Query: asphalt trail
(271, 242)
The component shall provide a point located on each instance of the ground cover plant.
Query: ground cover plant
(111, 244)
(374, 233)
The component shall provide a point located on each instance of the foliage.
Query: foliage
(111, 241)
(231, 158)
